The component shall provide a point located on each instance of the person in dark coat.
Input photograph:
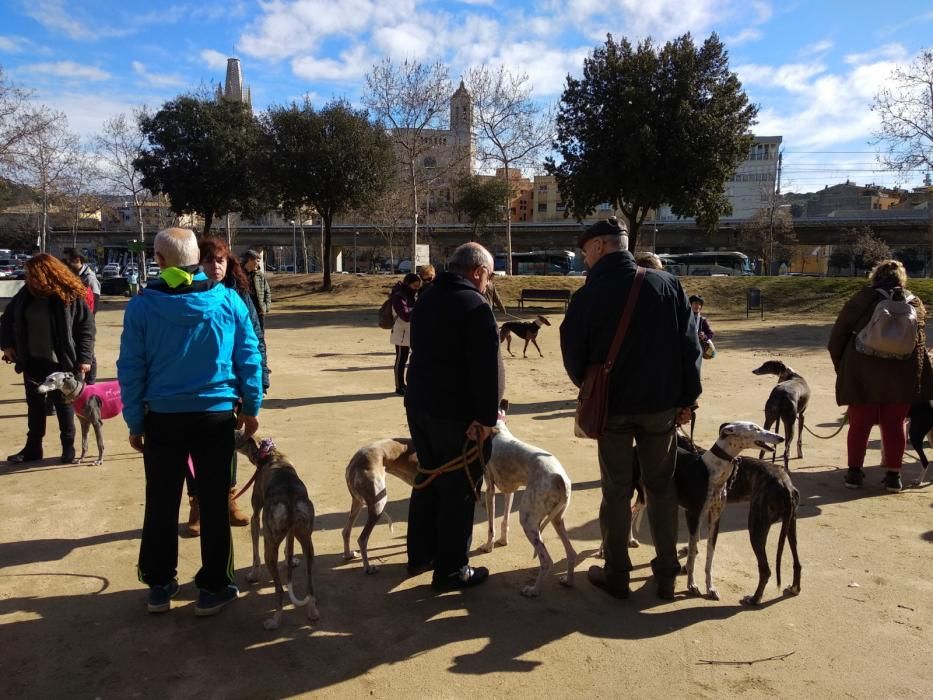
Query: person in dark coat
(403, 296)
(78, 264)
(878, 390)
(654, 383)
(47, 327)
(455, 383)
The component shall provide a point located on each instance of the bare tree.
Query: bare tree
(869, 247)
(905, 108)
(769, 235)
(77, 189)
(47, 158)
(386, 214)
(18, 120)
(409, 100)
(513, 131)
(117, 146)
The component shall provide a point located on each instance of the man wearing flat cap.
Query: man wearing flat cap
(259, 290)
(653, 385)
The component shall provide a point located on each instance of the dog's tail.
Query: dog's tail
(388, 518)
(289, 556)
(792, 499)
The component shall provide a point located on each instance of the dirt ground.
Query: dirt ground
(73, 619)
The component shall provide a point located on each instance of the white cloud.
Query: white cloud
(793, 77)
(660, 19)
(68, 70)
(889, 51)
(743, 37)
(406, 40)
(157, 79)
(54, 15)
(13, 44)
(352, 65)
(816, 47)
(214, 59)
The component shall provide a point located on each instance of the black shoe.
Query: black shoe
(597, 576)
(892, 482)
(666, 590)
(467, 577)
(68, 455)
(160, 597)
(212, 602)
(854, 478)
(25, 455)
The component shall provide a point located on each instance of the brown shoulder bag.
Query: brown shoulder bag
(593, 401)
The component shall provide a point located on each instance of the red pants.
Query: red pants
(891, 417)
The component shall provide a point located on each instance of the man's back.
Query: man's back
(658, 366)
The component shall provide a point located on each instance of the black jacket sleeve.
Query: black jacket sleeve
(574, 338)
(7, 332)
(83, 331)
(690, 352)
(483, 364)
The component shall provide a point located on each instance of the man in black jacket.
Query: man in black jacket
(654, 383)
(455, 383)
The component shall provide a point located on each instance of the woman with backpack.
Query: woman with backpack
(878, 348)
(403, 301)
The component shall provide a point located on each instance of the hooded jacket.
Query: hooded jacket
(187, 349)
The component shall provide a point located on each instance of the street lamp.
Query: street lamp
(294, 248)
(355, 237)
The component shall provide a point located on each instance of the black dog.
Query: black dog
(525, 330)
(787, 403)
(921, 426)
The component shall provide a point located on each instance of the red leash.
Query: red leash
(265, 447)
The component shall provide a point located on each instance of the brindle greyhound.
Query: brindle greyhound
(527, 331)
(366, 481)
(787, 404)
(287, 513)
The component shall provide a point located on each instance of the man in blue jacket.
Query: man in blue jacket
(654, 382)
(188, 354)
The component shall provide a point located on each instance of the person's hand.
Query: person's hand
(136, 442)
(248, 424)
(478, 432)
(9, 354)
(702, 335)
(684, 415)
(84, 368)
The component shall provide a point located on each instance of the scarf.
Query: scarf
(176, 277)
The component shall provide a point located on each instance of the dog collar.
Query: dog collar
(721, 453)
(266, 445)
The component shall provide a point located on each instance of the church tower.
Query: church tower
(234, 89)
(461, 112)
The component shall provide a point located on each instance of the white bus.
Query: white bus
(707, 263)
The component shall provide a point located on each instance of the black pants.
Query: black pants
(401, 359)
(440, 516)
(33, 375)
(169, 439)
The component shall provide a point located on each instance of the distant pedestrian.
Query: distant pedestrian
(403, 297)
(132, 281)
(77, 262)
(427, 273)
(649, 260)
(259, 290)
(704, 331)
(493, 298)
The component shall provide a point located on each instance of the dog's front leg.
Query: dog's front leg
(506, 514)
(253, 575)
(508, 344)
(525, 349)
(715, 515)
(490, 512)
(693, 525)
(536, 346)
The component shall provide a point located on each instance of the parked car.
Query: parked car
(404, 267)
(110, 270)
(153, 271)
(114, 285)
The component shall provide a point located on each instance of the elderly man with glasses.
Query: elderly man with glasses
(654, 382)
(455, 383)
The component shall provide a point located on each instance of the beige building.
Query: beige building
(547, 204)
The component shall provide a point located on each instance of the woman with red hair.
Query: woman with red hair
(47, 327)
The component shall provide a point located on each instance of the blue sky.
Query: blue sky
(812, 67)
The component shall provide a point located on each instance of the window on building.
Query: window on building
(542, 189)
(542, 207)
(561, 206)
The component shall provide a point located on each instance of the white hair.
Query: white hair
(178, 247)
(467, 257)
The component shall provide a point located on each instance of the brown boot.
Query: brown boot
(194, 517)
(237, 517)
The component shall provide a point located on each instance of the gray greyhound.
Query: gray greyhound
(787, 404)
(287, 514)
(93, 404)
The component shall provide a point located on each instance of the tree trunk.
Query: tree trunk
(143, 274)
(304, 247)
(508, 222)
(208, 221)
(325, 223)
(414, 209)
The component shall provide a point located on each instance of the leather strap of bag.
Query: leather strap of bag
(625, 320)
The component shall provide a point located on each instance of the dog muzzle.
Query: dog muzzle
(266, 445)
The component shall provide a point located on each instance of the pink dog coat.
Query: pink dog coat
(109, 394)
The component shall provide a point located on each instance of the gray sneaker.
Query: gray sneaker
(212, 602)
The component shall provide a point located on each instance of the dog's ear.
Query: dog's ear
(722, 429)
(504, 405)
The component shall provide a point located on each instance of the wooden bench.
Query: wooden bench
(558, 295)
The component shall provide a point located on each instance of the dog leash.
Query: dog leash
(845, 421)
(265, 447)
(467, 455)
